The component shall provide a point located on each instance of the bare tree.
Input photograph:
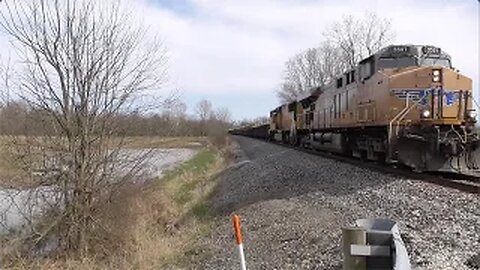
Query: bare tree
(331, 64)
(83, 63)
(5, 76)
(223, 115)
(174, 113)
(359, 38)
(301, 73)
(218, 124)
(261, 120)
(204, 112)
(311, 68)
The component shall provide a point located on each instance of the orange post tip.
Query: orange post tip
(236, 226)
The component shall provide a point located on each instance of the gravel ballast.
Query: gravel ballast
(294, 204)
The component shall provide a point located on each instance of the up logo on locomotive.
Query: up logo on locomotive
(423, 96)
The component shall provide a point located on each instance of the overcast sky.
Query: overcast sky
(233, 52)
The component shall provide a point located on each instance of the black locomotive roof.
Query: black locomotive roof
(409, 50)
(312, 94)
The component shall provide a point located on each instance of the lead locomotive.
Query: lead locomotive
(405, 104)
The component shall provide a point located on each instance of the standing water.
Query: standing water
(18, 206)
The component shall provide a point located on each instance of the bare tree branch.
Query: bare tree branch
(84, 63)
(359, 37)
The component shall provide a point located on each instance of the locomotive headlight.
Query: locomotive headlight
(472, 114)
(436, 75)
(425, 114)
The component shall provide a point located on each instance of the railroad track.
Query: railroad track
(464, 183)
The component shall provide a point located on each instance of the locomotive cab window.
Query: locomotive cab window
(432, 61)
(292, 106)
(367, 68)
(433, 56)
(394, 62)
(350, 76)
(339, 82)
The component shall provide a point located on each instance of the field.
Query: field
(12, 173)
(10, 170)
(165, 142)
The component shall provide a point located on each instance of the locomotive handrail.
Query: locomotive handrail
(408, 110)
(399, 118)
(390, 124)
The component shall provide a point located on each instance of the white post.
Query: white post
(238, 237)
(243, 265)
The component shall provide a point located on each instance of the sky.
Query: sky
(232, 52)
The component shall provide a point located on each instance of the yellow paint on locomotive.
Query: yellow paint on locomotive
(372, 102)
(286, 119)
(300, 122)
(420, 78)
(377, 100)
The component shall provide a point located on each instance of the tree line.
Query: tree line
(171, 119)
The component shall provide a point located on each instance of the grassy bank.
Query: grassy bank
(173, 212)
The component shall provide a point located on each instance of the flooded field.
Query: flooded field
(162, 160)
(16, 206)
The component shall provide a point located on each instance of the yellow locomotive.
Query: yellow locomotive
(404, 104)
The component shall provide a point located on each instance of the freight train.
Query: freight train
(404, 104)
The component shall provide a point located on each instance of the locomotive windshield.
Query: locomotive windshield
(406, 56)
(432, 61)
(397, 62)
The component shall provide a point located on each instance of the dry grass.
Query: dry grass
(157, 226)
(19, 155)
(174, 213)
(11, 170)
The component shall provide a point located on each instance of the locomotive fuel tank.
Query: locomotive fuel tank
(330, 142)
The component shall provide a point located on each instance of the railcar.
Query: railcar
(255, 131)
(404, 104)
